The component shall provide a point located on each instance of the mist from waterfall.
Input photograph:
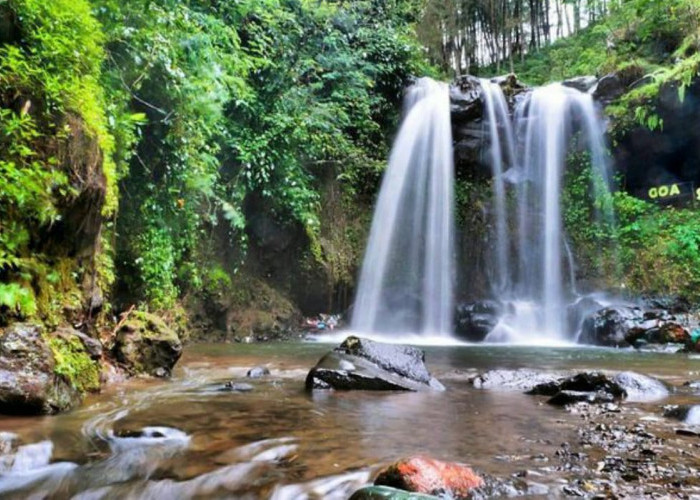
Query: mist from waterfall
(406, 282)
(533, 268)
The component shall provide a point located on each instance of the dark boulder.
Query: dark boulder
(467, 113)
(608, 88)
(144, 344)
(475, 320)
(590, 382)
(611, 326)
(29, 380)
(688, 414)
(522, 380)
(581, 83)
(674, 304)
(368, 365)
(622, 326)
(465, 99)
(431, 477)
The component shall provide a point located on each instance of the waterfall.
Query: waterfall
(406, 284)
(502, 152)
(535, 282)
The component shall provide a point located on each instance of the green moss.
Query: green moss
(74, 363)
(147, 325)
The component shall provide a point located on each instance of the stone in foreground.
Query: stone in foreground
(363, 364)
(29, 382)
(431, 477)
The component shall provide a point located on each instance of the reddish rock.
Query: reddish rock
(430, 476)
(675, 333)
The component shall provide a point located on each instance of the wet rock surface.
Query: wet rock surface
(610, 326)
(29, 384)
(258, 372)
(475, 320)
(363, 364)
(430, 476)
(144, 344)
(581, 83)
(467, 110)
(624, 326)
(565, 389)
(522, 380)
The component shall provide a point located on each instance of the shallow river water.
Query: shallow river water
(184, 437)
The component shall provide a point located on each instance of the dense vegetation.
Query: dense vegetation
(149, 147)
(190, 117)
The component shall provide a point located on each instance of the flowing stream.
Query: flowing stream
(185, 437)
(406, 283)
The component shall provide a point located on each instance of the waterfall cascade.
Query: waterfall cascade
(406, 283)
(533, 267)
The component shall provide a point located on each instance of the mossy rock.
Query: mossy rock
(32, 380)
(145, 344)
(74, 356)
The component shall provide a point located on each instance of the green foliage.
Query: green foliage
(203, 114)
(247, 105)
(73, 362)
(17, 300)
(54, 143)
(645, 33)
(645, 249)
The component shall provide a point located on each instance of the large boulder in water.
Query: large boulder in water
(599, 387)
(364, 364)
(622, 326)
(145, 344)
(475, 320)
(30, 382)
(611, 326)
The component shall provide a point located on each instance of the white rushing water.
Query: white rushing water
(533, 270)
(406, 283)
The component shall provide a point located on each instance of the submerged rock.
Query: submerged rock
(689, 414)
(431, 477)
(589, 387)
(258, 372)
(30, 378)
(641, 387)
(388, 493)
(611, 326)
(523, 380)
(475, 320)
(364, 364)
(232, 386)
(564, 398)
(145, 344)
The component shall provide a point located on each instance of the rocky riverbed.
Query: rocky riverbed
(223, 426)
